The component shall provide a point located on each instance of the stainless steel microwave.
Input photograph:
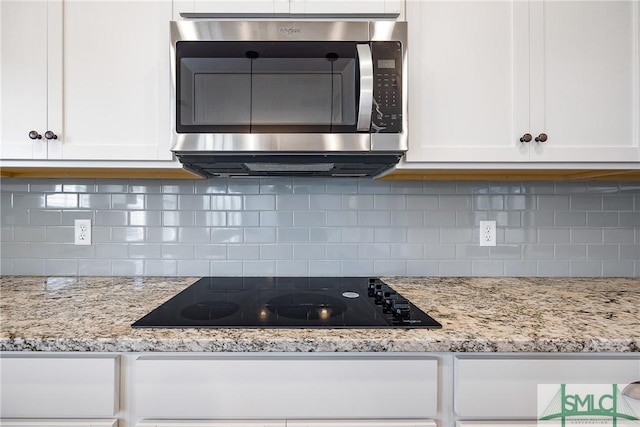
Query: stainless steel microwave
(307, 98)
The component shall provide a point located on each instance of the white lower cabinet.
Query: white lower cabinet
(210, 423)
(506, 387)
(361, 423)
(323, 386)
(497, 424)
(57, 423)
(59, 386)
(285, 423)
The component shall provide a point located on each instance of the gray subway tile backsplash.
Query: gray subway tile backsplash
(570, 219)
(99, 267)
(585, 268)
(193, 267)
(553, 268)
(332, 227)
(522, 268)
(63, 267)
(603, 219)
(571, 252)
(553, 203)
(487, 268)
(324, 235)
(630, 219)
(291, 268)
(618, 268)
(591, 202)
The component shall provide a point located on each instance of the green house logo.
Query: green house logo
(585, 405)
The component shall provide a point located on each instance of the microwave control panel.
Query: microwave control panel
(387, 87)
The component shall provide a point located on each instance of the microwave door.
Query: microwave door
(365, 106)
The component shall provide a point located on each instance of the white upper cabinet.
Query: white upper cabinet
(485, 74)
(23, 84)
(229, 7)
(347, 7)
(116, 80)
(297, 7)
(584, 80)
(464, 87)
(95, 74)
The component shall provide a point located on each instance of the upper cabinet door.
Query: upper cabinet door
(468, 79)
(346, 7)
(116, 80)
(23, 85)
(306, 7)
(239, 7)
(585, 80)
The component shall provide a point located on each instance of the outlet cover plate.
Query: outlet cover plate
(82, 231)
(487, 233)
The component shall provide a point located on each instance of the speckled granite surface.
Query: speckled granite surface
(478, 315)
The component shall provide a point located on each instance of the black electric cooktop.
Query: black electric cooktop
(287, 302)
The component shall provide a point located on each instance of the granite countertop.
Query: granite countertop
(477, 314)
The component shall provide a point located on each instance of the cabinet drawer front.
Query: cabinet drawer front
(497, 424)
(58, 387)
(211, 423)
(287, 423)
(58, 423)
(507, 387)
(286, 387)
(362, 423)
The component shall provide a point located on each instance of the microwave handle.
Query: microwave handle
(365, 107)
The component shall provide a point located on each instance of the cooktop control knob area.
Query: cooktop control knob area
(387, 301)
(380, 292)
(400, 307)
(383, 294)
(374, 285)
(392, 302)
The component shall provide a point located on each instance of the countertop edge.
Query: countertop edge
(318, 346)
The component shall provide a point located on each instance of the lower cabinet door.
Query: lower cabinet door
(497, 424)
(286, 387)
(57, 423)
(211, 423)
(361, 423)
(58, 387)
(507, 387)
(287, 423)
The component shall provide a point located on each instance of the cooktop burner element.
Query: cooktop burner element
(288, 302)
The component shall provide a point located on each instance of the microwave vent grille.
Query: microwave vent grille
(283, 167)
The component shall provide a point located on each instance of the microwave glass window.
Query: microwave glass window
(205, 95)
(211, 96)
(282, 86)
(303, 92)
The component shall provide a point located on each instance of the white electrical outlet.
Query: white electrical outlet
(487, 233)
(82, 231)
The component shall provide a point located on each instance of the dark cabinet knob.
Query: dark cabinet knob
(541, 138)
(400, 307)
(526, 137)
(50, 135)
(34, 135)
